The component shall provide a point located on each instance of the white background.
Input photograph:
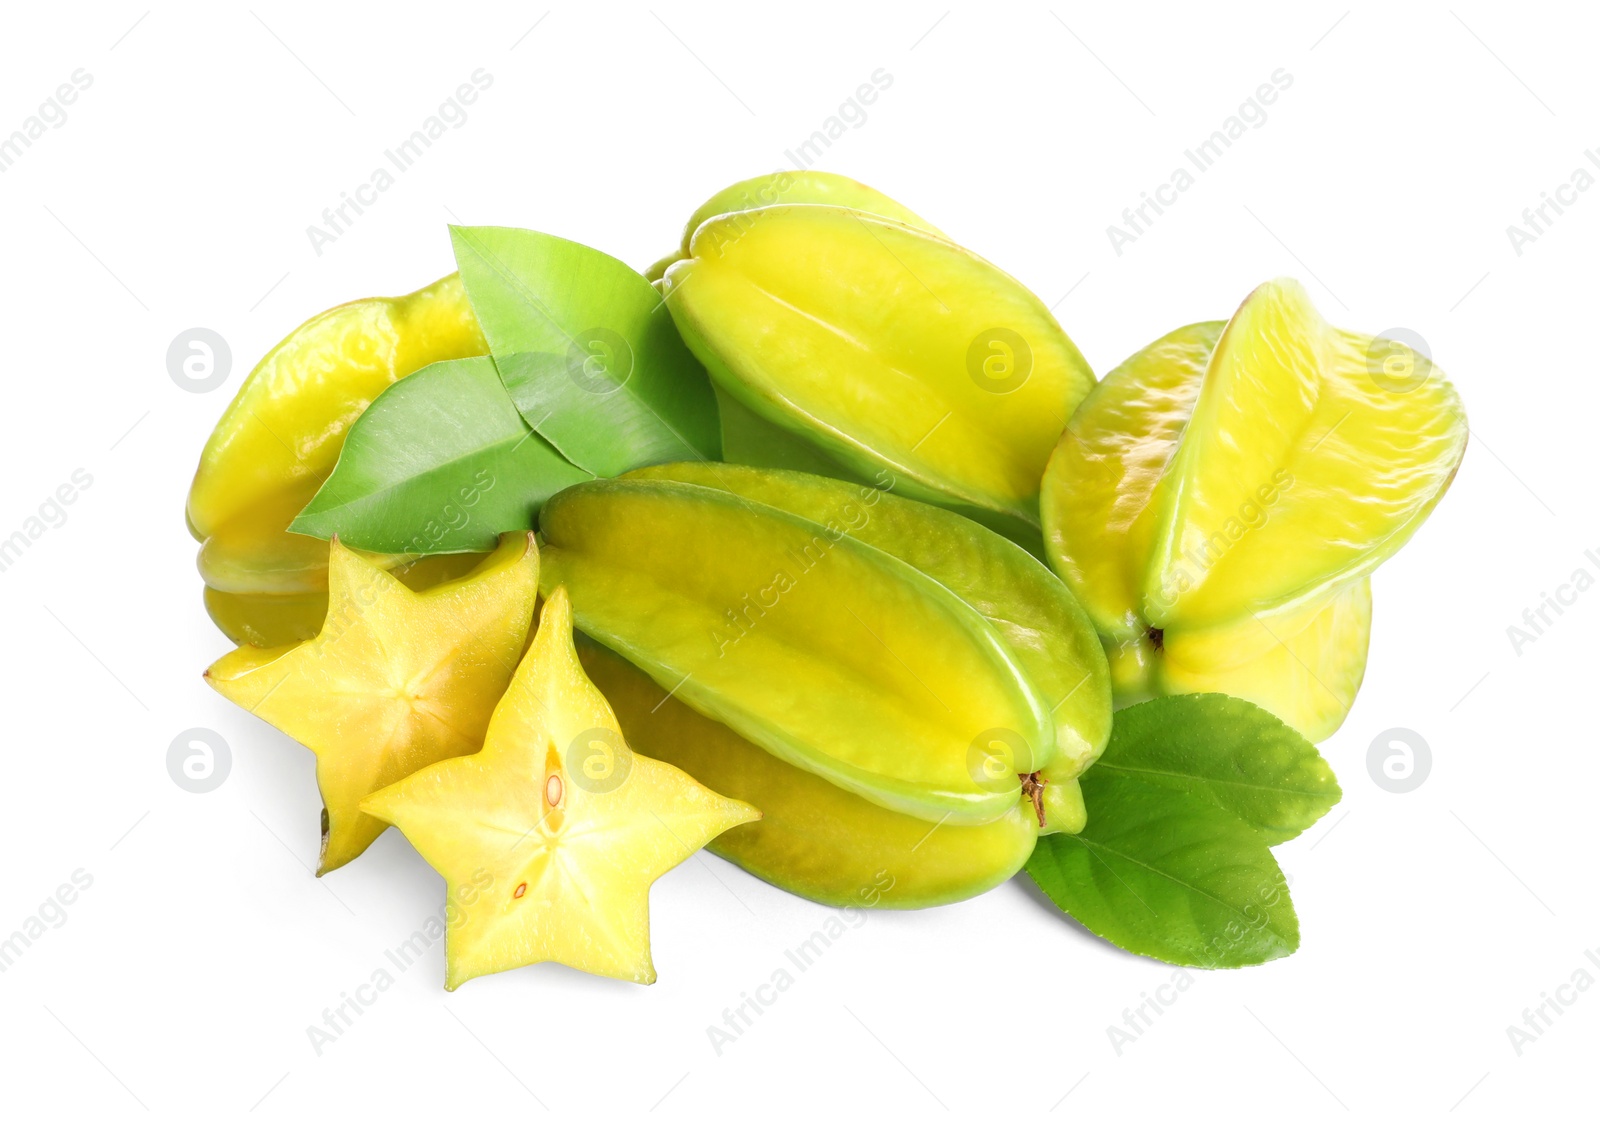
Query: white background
(177, 194)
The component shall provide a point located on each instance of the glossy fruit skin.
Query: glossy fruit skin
(789, 188)
(1308, 674)
(826, 836)
(1038, 620)
(892, 685)
(280, 437)
(1219, 502)
(814, 839)
(885, 348)
(266, 619)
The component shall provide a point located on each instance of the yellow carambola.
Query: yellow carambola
(814, 838)
(278, 441)
(858, 668)
(1219, 501)
(550, 838)
(393, 681)
(789, 188)
(880, 668)
(857, 341)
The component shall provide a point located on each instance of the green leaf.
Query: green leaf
(588, 351)
(1230, 751)
(440, 463)
(1168, 874)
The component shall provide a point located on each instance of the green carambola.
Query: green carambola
(789, 188)
(862, 342)
(901, 653)
(814, 838)
(1219, 501)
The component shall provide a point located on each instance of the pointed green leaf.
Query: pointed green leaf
(440, 463)
(1168, 874)
(1229, 751)
(587, 350)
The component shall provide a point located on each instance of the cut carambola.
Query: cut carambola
(393, 681)
(550, 838)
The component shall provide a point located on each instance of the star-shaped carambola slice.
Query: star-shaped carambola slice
(394, 681)
(550, 838)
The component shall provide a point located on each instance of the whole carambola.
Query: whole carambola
(814, 839)
(903, 656)
(872, 344)
(278, 441)
(1219, 501)
(789, 188)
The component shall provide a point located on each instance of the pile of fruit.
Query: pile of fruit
(820, 545)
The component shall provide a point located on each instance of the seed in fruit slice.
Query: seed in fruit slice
(395, 680)
(556, 827)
